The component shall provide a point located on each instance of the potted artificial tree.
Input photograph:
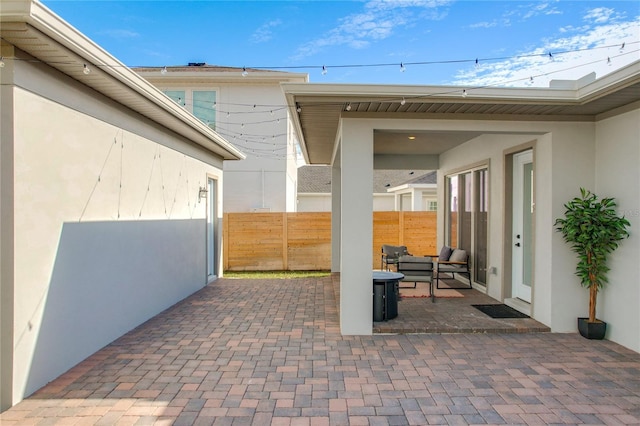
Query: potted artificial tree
(593, 229)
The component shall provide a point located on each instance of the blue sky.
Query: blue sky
(437, 40)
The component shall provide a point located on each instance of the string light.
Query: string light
(622, 48)
(163, 71)
(402, 67)
(86, 70)
(464, 93)
(403, 101)
(324, 70)
(1, 61)
(550, 56)
(609, 61)
(477, 64)
(244, 72)
(349, 106)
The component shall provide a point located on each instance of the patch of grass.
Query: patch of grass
(275, 274)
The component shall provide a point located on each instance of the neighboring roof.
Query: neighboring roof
(36, 30)
(316, 179)
(321, 106)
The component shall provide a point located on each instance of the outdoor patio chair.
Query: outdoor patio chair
(451, 262)
(418, 269)
(390, 255)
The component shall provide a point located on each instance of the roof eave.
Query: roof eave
(59, 31)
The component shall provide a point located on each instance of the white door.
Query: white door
(522, 236)
(212, 223)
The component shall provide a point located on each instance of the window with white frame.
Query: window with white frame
(202, 103)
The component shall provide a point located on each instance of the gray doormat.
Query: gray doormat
(500, 311)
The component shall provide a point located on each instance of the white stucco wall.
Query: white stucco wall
(254, 118)
(309, 202)
(560, 149)
(259, 181)
(109, 230)
(618, 176)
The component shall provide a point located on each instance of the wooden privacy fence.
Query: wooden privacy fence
(302, 241)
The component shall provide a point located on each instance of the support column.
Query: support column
(356, 228)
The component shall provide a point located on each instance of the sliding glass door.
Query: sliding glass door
(466, 217)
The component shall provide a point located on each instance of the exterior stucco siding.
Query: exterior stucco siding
(618, 176)
(108, 226)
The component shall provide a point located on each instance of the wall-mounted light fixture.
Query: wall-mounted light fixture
(202, 193)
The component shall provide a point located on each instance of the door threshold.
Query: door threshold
(519, 305)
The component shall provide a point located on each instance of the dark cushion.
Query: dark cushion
(394, 251)
(445, 253)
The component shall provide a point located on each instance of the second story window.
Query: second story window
(202, 104)
(204, 107)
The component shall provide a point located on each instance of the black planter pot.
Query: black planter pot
(592, 330)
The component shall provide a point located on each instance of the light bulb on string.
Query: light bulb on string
(477, 64)
(622, 47)
(464, 93)
(324, 70)
(2, 62)
(86, 70)
(244, 72)
(349, 107)
(403, 101)
(402, 67)
(609, 61)
(163, 71)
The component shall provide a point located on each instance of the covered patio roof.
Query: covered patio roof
(318, 109)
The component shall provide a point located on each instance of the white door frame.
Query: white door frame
(212, 225)
(522, 232)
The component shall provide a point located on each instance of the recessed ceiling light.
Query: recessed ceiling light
(411, 138)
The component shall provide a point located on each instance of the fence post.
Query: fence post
(285, 242)
(225, 241)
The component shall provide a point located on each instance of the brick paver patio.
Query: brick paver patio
(270, 352)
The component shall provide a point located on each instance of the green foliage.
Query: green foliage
(593, 229)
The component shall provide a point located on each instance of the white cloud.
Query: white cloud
(483, 25)
(586, 52)
(120, 33)
(540, 9)
(265, 31)
(599, 15)
(377, 21)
